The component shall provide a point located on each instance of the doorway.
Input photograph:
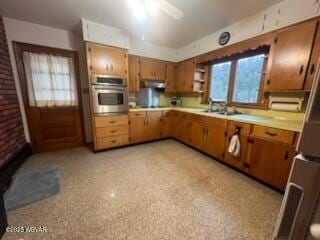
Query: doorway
(50, 86)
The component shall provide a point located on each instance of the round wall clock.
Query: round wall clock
(224, 38)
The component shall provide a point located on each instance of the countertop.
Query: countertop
(274, 122)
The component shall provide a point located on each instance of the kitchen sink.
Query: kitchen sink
(227, 113)
(221, 113)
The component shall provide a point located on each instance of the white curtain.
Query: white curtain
(50, 80)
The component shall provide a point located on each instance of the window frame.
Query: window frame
(20, 47)
(261, 103)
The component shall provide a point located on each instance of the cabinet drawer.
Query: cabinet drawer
(154, 113)
(107, 121)
(210, 120)
(112, 131)
(244, 127)
(137, 114)
(184, 115)
(274, 134)
(109, 142)
(169, 113)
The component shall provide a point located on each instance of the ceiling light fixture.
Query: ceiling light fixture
(142, 8)
(138, 9)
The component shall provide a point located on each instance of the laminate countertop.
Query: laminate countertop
(274, 122)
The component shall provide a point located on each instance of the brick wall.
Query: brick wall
(12, 137)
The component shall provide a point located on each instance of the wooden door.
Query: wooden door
(134, 73)
(189, 70)
(290, 57)
(215, 141)
(171, 78)
(137, 129)
(197, 135)
(271, 162)
(147, 69)
(108, 60)
(315, 56)
(51, 127)
(243, 133)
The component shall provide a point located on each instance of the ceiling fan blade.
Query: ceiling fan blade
(170, 9)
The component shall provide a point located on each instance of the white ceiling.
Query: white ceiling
(201, 17)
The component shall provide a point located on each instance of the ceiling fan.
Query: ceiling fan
(142, 8)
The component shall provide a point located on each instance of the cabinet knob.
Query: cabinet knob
(312, 69)
(286, 156)
(268, 81)
(301, 70)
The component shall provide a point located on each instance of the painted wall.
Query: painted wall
(285, 13)
(21, 31)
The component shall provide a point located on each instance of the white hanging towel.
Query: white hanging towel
(234, 146)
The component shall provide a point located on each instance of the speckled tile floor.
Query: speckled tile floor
(159, 190)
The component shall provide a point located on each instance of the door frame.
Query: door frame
(19, 48)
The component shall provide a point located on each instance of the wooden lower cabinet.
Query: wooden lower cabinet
(183, 126)
(209, 137)
(145, 126)
(243, 130)
(153, 126)
(270, 161)
(110, 131)
(137, 129)
(215, 141)
(198, 135)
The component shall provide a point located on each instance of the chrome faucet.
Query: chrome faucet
(210, 105)
(222, 107)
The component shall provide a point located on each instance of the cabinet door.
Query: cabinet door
(197, 135)
(239, 161)
(189, 69)
(180, 77)
(215, 141)
(108, 60)
(147, 68)
(290, 57)
(171, 78)
(137, 130)
(315, 56)
(159, 70)
(153, 127)
(185, 131)
(134, 73)
(271, 162)
(166, 127)
(244, 130)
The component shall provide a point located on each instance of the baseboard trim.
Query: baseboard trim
(6, 173)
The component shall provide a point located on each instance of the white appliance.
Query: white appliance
(300, 207)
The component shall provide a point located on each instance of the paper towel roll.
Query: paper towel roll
(294, 107)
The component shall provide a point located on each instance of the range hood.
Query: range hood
(158, 84)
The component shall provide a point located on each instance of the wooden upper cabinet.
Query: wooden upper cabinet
(171, 77)
(290, 56)
(189, 70)
(107, 60)
(185, 73)
(134, 73)
(315, 56)
(152, 69)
